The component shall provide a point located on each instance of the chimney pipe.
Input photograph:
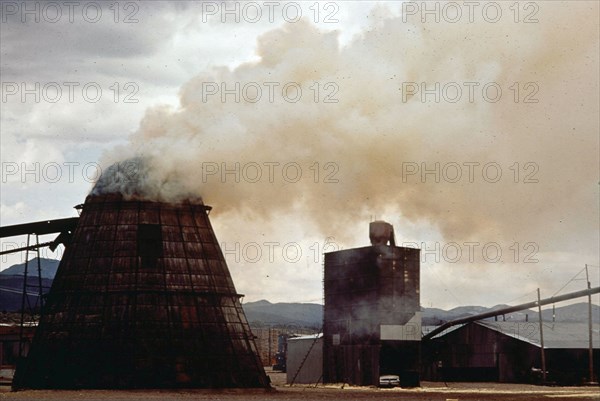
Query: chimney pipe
(381, 232)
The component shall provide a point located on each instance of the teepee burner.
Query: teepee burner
(142, 298)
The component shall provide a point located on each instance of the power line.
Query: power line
(523, 296)
(568, 282)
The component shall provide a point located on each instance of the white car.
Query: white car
(389, 381)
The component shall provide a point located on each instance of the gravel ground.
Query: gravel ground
(427, 391)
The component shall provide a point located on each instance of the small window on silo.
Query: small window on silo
(149, 244)
(336, 339)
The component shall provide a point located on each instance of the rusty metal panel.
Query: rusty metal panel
(168, 217)
(206, 235)
(126, 233)
(149, 213)
(171, 233)
(186, 220)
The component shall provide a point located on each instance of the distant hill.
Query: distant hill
(11, 291)
(11, 283)
(570, 313)
(311, 315)
(48, 268)
(264, 312)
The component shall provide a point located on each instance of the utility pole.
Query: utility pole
(541, 338)
(269, 337)
(591, 349)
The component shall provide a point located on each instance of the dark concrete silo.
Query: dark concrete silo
(143, 298)
(372, 320)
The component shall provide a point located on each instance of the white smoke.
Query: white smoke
(361, 141)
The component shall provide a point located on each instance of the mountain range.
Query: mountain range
(264, 312)
(11, 283)
(311, 315)
(48, 268)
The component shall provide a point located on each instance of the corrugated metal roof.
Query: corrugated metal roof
(427, 329)
(563, 335)
(308, 337)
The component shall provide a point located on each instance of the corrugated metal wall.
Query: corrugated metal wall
(142, 298)
(474, 352)
(309, 370)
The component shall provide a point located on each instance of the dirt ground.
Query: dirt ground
(429, 391)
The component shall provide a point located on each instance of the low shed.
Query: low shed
(511, 352)
(305, 359)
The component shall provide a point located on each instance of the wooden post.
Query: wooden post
(24, 300)
(591, 349)
(541, 338)
(40, 300)
(269, 339)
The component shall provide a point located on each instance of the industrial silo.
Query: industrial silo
(142, 298)
(372, 320)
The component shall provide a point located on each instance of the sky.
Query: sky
(472, 127)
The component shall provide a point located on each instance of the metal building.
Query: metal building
(511, 352)
(10, 342)
(304, 359)
(372, 320)
(142, 298)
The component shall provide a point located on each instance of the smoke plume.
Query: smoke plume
(357, 132)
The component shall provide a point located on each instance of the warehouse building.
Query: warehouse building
(13, 337)
(511, 352)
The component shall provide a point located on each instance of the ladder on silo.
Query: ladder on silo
(317, 335)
